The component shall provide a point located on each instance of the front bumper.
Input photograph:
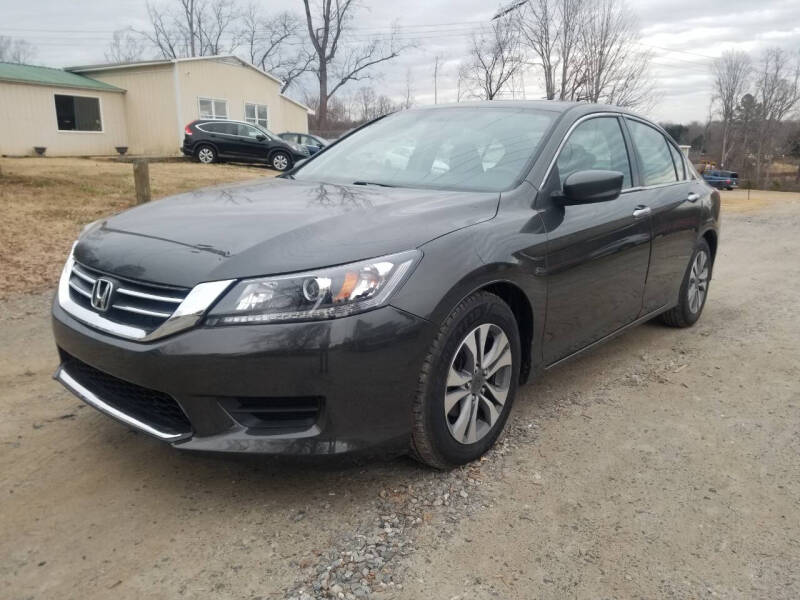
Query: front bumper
(360, 371)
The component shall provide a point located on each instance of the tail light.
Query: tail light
(187, 130)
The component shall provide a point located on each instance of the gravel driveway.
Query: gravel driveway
(665, 464)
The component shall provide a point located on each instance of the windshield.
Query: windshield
(458, 148)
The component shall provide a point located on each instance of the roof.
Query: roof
(48, 76)
(168, 61)
(576, 109)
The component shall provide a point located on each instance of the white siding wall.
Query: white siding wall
(156, 117)
(150, 109)
(230, 80)
(28, 119)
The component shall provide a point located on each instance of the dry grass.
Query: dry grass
(45, 202)
(742, 201)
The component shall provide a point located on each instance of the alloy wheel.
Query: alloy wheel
(280, 162)
(698, 282)
(206, 155)
(478, 383)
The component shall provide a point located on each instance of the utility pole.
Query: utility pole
(436, 80)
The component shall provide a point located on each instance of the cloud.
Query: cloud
(682, 35)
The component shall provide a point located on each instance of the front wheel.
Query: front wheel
(694, 289)
(281, 161)
(468, 383)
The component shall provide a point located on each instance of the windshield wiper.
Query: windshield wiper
(372, 183)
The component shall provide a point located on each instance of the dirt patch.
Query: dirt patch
(665, 464)
(45, 202)
(742, 201)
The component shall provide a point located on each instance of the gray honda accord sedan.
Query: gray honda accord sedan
(392, 292)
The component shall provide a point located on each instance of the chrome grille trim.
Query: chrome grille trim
(188, 313)
(141, 311)
(147, 296)
(92, 399)
(86, 277)
(79, 289)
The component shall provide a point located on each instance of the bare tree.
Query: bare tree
(587, 50)
(336, 61)
(275, 44)
(193, 28)
(541, 32)
(777, 93)
(126, 46)
(571, 18)
(367, 100)
(408, 98)
(16, 50)
(613, 69)
(731, 72)
(495, 57)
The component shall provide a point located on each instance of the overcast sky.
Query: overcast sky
(683, 36)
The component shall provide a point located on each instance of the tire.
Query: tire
(688, 311)
(281, 161)
(445, 440)
(206, 154)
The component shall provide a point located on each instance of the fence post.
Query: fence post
(141, 180)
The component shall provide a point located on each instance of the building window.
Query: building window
(213, 108)
(78, 113)
(256, 114)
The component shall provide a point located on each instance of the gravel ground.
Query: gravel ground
(664, 464)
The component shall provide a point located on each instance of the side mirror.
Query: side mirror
(586, 187)
(261, 138)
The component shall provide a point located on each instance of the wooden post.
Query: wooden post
(141, 180)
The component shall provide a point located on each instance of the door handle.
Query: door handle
(693, 197)
(641, 211)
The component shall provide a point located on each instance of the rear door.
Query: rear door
(222, 134)
(673, 198)
(597, 254)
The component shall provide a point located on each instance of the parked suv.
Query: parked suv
(210, 141)
(724, 180)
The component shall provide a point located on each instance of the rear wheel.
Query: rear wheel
(694, 289)
(206, 154)
(468, 383)
(281, 161)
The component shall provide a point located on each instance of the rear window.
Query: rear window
(677, 158)
(229, 128)
(657, 165)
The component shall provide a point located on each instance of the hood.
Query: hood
(272, 226)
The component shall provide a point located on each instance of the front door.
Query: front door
(597, 254)
(247, 144)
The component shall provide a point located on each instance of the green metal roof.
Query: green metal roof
(49, 76)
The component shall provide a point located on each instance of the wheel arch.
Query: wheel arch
(711, 238)
(198, 145)
(520, 305)
(510, 293)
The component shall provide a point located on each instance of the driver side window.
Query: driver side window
(595, 144)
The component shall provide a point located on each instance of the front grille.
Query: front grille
(133, 303)
(275, 415)
(154, 408)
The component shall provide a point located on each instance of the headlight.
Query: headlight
(314, 295)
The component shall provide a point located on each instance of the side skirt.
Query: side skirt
(610, 336)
